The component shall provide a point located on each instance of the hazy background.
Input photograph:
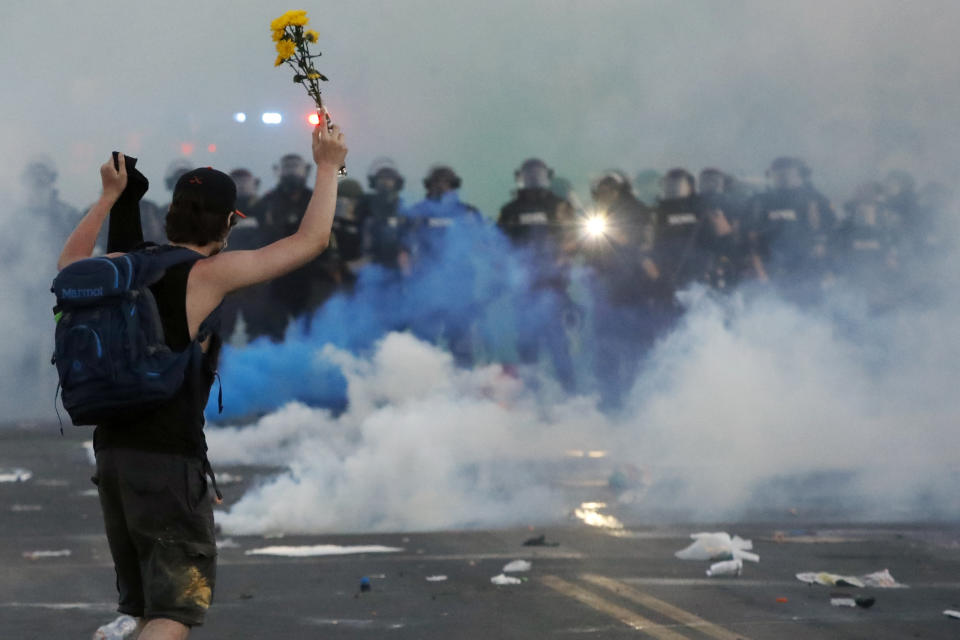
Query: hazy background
(853, 87)
(740, 396)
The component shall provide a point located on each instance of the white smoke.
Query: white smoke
(746, 390)
(422, 446)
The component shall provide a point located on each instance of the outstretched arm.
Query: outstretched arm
(81, 242)
(233, 270)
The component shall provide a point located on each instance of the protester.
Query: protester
(162, 541)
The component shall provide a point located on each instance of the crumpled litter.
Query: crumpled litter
(503, 579)
(950, 613)
(15, 475)
(726, 568)
(517, 566)
(718, 546)
(436, 578)
(878, 579)
(35, 555)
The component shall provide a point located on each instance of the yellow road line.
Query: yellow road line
(622, 614)
(665, 608)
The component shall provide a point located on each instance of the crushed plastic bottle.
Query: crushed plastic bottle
(116, 630)
(726, 568)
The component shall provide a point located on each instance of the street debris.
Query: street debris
(829, 579)
(26, 507)
(436, 578)
(540, 541)
(782, 600)
(120, 628)
(950, 613)
(15, 475)
(36, 555)
(320, 550)
(503, 579)
(843, 602)
(726, 568)
(365, 584)
(879, 580)
(227, 543)
(847, 600)
(517, 566)
(717, 546)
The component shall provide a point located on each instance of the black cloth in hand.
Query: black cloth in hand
(125, 230)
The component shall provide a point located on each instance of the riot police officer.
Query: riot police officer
(441, 237)
(42, 200)
(693, 235)
(790, 229)
(279, 211)
(382, 214)
(618, 249)
(538, 224)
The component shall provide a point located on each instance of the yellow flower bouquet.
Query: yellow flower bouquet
(293, 42)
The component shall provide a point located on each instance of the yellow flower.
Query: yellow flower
(313, 76)
(286, 49)
(279, 24)
(310, 35)
(278, 34)
(297, 18)
(278, 61)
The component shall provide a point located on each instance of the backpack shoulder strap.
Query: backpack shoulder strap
(155, 260)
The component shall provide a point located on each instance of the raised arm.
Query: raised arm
(81, 242)
(234, 270)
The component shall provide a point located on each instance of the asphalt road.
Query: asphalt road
(597, 583)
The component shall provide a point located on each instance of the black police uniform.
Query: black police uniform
(625, 299)
(790, 230)
(303, 290)
(534, 222)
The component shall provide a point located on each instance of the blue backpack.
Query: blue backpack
(111, 356)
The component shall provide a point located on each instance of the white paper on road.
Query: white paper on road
(15, 475)
(503, 579)
(718, 546)
(35, 555)
(320, 550)
(517, 566)
(878, 579)
(950, 613)
(436, 578)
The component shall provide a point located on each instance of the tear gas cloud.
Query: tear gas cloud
(382, 431)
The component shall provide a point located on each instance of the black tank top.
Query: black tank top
(177, 425)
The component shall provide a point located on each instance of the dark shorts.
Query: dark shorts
(159, 520)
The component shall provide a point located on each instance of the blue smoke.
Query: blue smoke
(471, 278)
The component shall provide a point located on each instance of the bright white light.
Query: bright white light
(271, 117)
(596, 226)
(240, 116)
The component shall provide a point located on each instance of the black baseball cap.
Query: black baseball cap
(217, 188)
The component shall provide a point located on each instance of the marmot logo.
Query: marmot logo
(81, 293)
